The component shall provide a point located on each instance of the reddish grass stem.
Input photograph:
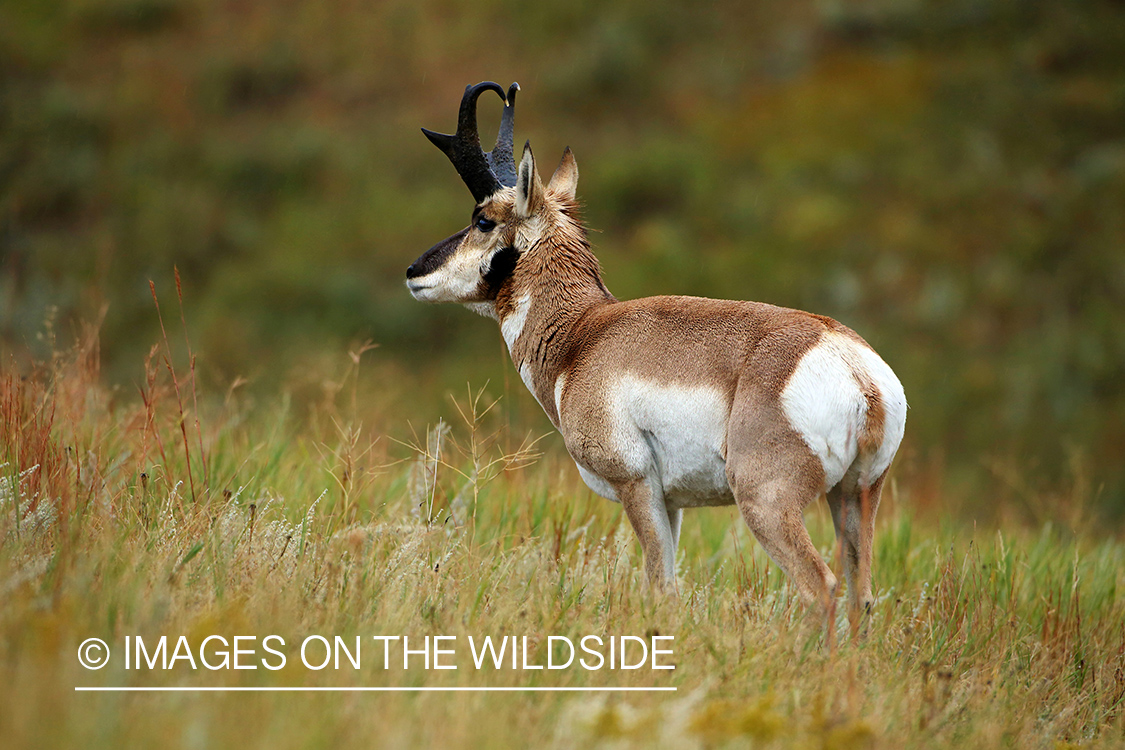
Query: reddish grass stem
(194, 391)
(176, 385)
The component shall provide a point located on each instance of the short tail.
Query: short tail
(874, 427)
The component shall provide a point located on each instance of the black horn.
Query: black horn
(501, 156)
(483, 173)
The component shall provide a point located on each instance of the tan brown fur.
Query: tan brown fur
(575, 344)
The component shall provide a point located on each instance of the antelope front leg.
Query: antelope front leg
(643, 501)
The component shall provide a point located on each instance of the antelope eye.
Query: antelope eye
(485, 225)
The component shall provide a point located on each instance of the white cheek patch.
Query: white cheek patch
(457, 280)
(825, 405)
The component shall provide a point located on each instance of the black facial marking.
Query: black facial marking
(500, 268)
(435, 257)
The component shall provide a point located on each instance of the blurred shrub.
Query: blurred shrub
(948, 178)
(108, 16)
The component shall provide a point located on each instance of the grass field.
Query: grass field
(175, 512)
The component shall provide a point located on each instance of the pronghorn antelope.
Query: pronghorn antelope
(667, 403)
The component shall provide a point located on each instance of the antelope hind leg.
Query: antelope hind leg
(853, 513)
(774, 476)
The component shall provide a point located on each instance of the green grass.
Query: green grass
(947, 178)
(980, 638)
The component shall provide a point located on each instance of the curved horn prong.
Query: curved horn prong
(441, 140)
(483, 173)
(501, 157)
(467, 117)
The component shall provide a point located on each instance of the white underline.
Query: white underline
(205, 689)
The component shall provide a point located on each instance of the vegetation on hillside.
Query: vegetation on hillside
(947, 178)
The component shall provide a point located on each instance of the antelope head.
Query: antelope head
(513, 210)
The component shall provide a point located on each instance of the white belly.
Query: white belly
(674, 434)
(597, 484)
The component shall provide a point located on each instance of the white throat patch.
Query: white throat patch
(512, 325)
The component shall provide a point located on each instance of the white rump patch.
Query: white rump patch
(894, 411)
(824, 403)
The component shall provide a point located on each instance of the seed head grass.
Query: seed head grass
(175, 512)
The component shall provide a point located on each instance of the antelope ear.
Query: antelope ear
(529, 188)
(564, 182)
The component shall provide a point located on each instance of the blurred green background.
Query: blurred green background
(948, 178)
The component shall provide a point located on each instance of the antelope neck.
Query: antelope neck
(539, 309)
